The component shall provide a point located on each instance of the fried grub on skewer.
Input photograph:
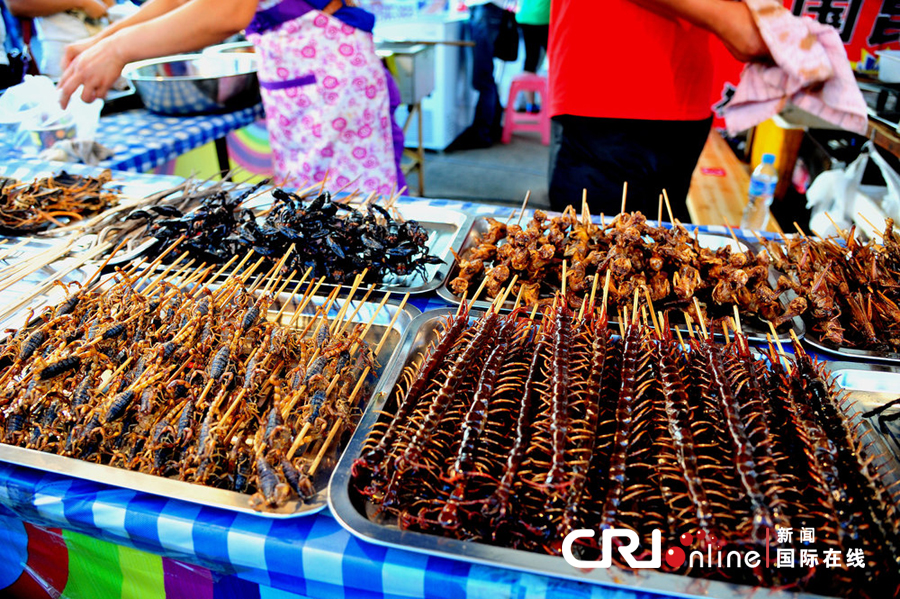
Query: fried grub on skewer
(669, 262)
(655, 434)
(30, 207)
(850, 290)
(180, 381)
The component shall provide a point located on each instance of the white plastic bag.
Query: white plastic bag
(840, 195)
(30, 114)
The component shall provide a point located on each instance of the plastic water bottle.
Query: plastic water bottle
(762, 189)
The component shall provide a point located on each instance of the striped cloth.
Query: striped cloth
(77, 538)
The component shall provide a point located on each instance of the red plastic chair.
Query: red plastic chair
(525, 121)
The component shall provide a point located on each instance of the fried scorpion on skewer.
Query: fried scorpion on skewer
(187, 383)
(670, 262)
(515, 432)
(850, 290)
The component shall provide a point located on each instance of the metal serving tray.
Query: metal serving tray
(352, 515)
(220, 498)
(755, 331)
(817, 344)
(873, 385)
(446, 231)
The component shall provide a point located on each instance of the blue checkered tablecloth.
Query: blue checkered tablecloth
(143, 140)
(309, 555)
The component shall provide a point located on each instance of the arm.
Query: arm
(29, 9)
(192, 26)
(729, 21)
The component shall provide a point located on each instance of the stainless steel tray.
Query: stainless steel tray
(849, 353)
(209, 496)
(446, 231)
(873, 385)
(423, 330)
(754, 330)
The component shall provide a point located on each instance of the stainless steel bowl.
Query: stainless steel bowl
(244, 47)
(195, 83)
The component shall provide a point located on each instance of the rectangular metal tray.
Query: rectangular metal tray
(754, 330)
(220, 498)
(873, 385)
(446, 231)
(812, 340)
(425, 329)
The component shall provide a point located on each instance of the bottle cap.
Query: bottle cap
(768, 158)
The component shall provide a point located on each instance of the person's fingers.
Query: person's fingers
(95, 8)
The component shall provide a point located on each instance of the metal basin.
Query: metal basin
(196, 84)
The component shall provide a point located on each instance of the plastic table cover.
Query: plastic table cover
(74, 538)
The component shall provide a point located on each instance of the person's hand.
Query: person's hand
(95, 8)
(737, 29)
(76, 48)
(96, 68)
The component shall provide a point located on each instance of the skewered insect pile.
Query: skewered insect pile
(30, 207)
(670, 262)
(333, 238)
(514, 432)
(188, 382)
(852, 288)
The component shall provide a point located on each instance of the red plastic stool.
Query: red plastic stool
(525, 121)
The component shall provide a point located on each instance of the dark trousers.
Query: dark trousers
(535, 38)
(485, 24)
(601, 154)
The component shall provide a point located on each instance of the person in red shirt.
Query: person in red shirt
(631, 83)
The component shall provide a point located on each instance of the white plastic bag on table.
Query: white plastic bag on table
(31, 115)
(840, 194)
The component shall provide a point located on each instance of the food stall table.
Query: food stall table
(63, 535)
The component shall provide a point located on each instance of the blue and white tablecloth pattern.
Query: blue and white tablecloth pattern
(310, 555)
(143, 140)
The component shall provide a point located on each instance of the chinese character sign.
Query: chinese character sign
(870, 25)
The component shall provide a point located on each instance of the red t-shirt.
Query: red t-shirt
(615, 59)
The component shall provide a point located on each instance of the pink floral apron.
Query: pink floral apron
(326, 99)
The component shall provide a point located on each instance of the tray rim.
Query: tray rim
(798, 325)
(341, 507)
(194, 493)
(849, 353)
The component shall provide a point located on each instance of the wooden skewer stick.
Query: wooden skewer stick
(152, 285)
(652, 312)
(112, 377)
(293, 294)
(390, 326)
(365, 330)
(287, 281)
(700, 318)
(519, 297)
(156, 262)
(680, 339)
(585, 209)
(307, 296)
(737, 243)
(522, 209)
(668, 206)
(481, 287)
(874, 228)
(581, 310)
(359, 306)
(338, 323)
(506, 293)
(564, 277)
(689, 322)
(659, 212)
(462, 302)
(605, 294)
(624, 197)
